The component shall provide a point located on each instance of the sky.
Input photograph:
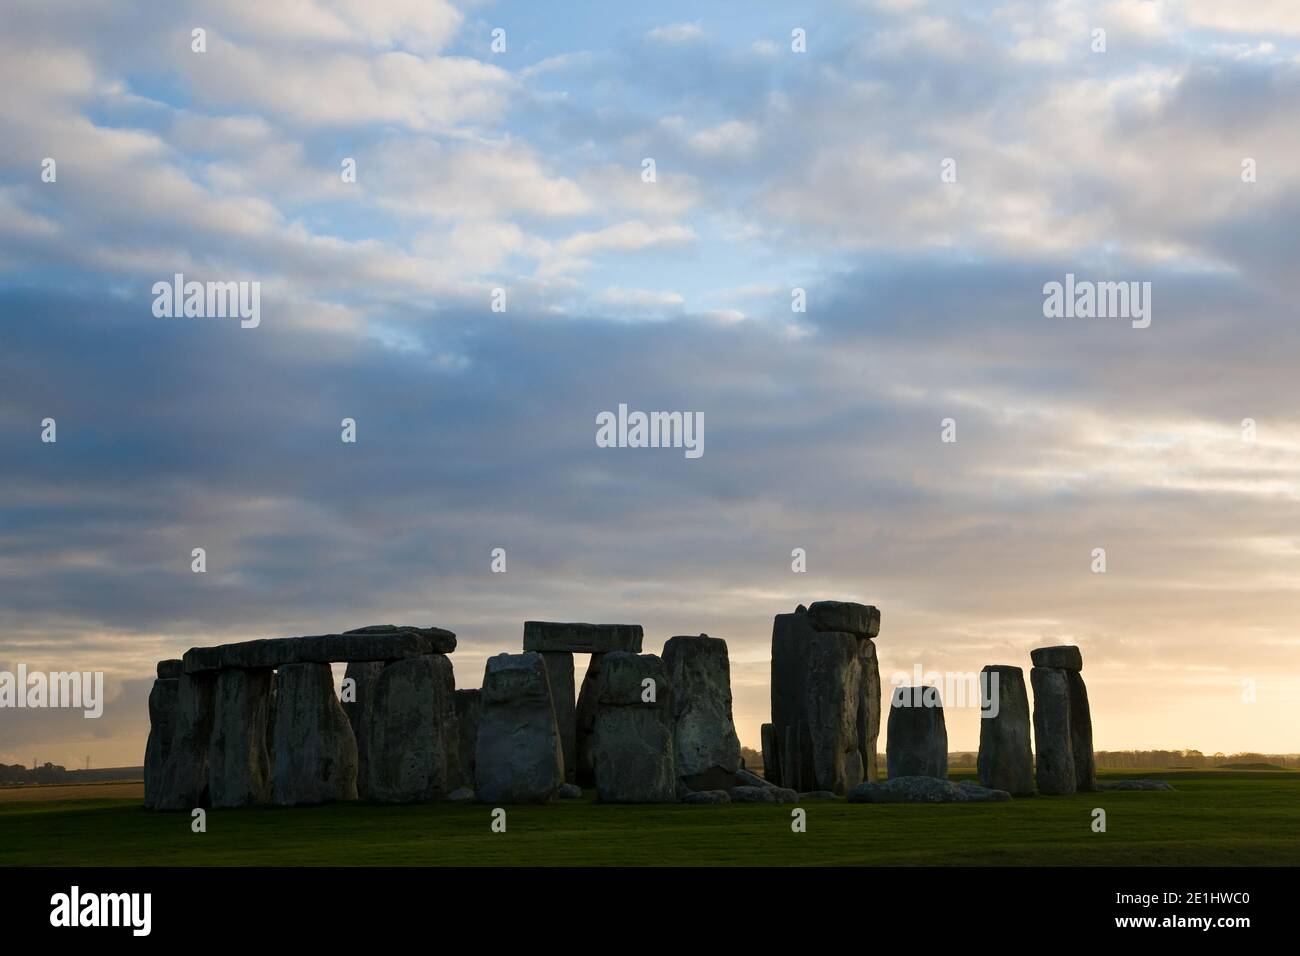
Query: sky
(920, 170)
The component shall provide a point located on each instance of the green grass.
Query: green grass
(1215, 818)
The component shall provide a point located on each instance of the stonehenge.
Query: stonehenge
(259, 722)
(1005, 760)
(1062, 722)
(918, 737)
(824, 715)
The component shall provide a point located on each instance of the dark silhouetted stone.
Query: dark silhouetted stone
(379, 642)
(162, 725)
(239, 766)
(185, 774)
(860, 620)
(924, 789)
(519, 757)
(315, 751)
(1054, 755)
(918, 738)
(1065, 656)
(412, 744)
(469, 711)
(559, 672)
(582, 638)
(359, 704)
(704, 734)
(170, 669)
(1006, 760)
(632, 744)
(1085, 764)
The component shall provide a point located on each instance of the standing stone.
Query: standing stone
(518, 757)
(412, 745)
(239, 767)
(1006, 761)
(469, 711)
(704, 733)
(771, 755)
(582, 638)
(1085, 764)
(585, 722)
(559, 672)
(162, 724)
(315, 751)
(185, 775)
(1054, 757)
(918, 738)
(632, 747)
(869, 707)
(816, 691)
(359, 705)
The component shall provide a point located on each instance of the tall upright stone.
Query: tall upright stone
(632, 747)
(918, 737)
(559, 672)
(1085, 762)
(771, 755)
(816, 695)
(469, 712)
(412, 743)
(162, 725)
(704, 732)
(519, 756)
(585, 723)
(239, 766)
(1006, 761)
(1054, 753)
(315, 750)
(359, 704)
(869, 706)
(185, 774)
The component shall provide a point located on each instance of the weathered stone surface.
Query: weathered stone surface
(752, 794)
(860, 620)
(412, 741)
(924, 790)
(918, 738)
(771, 754)
(704, 734)
(707, 796)
(379, 642)
(359, 704)
(582, 638)
(868, 708)
(315, 751)
(815, 795)
(185, 774)
(632, 745)
(714, 778)
(570, 791)
(559, 672)
(170, 669)
(1006, 759)
(519, 757)
(1085, 764)
(816, 693)
(1065, 656)
(469, 711)
(162, 724)
(461, 795)
(1135, 785)
(585, 722)
(239, 766)
(1054, 756)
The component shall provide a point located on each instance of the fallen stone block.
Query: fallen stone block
(1135, 785)
(707, 796)
(752, 794)
(915, 789)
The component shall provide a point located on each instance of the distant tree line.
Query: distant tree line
(1128, 759)
(15, 774)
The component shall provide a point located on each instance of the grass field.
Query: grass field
(1216, 818)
